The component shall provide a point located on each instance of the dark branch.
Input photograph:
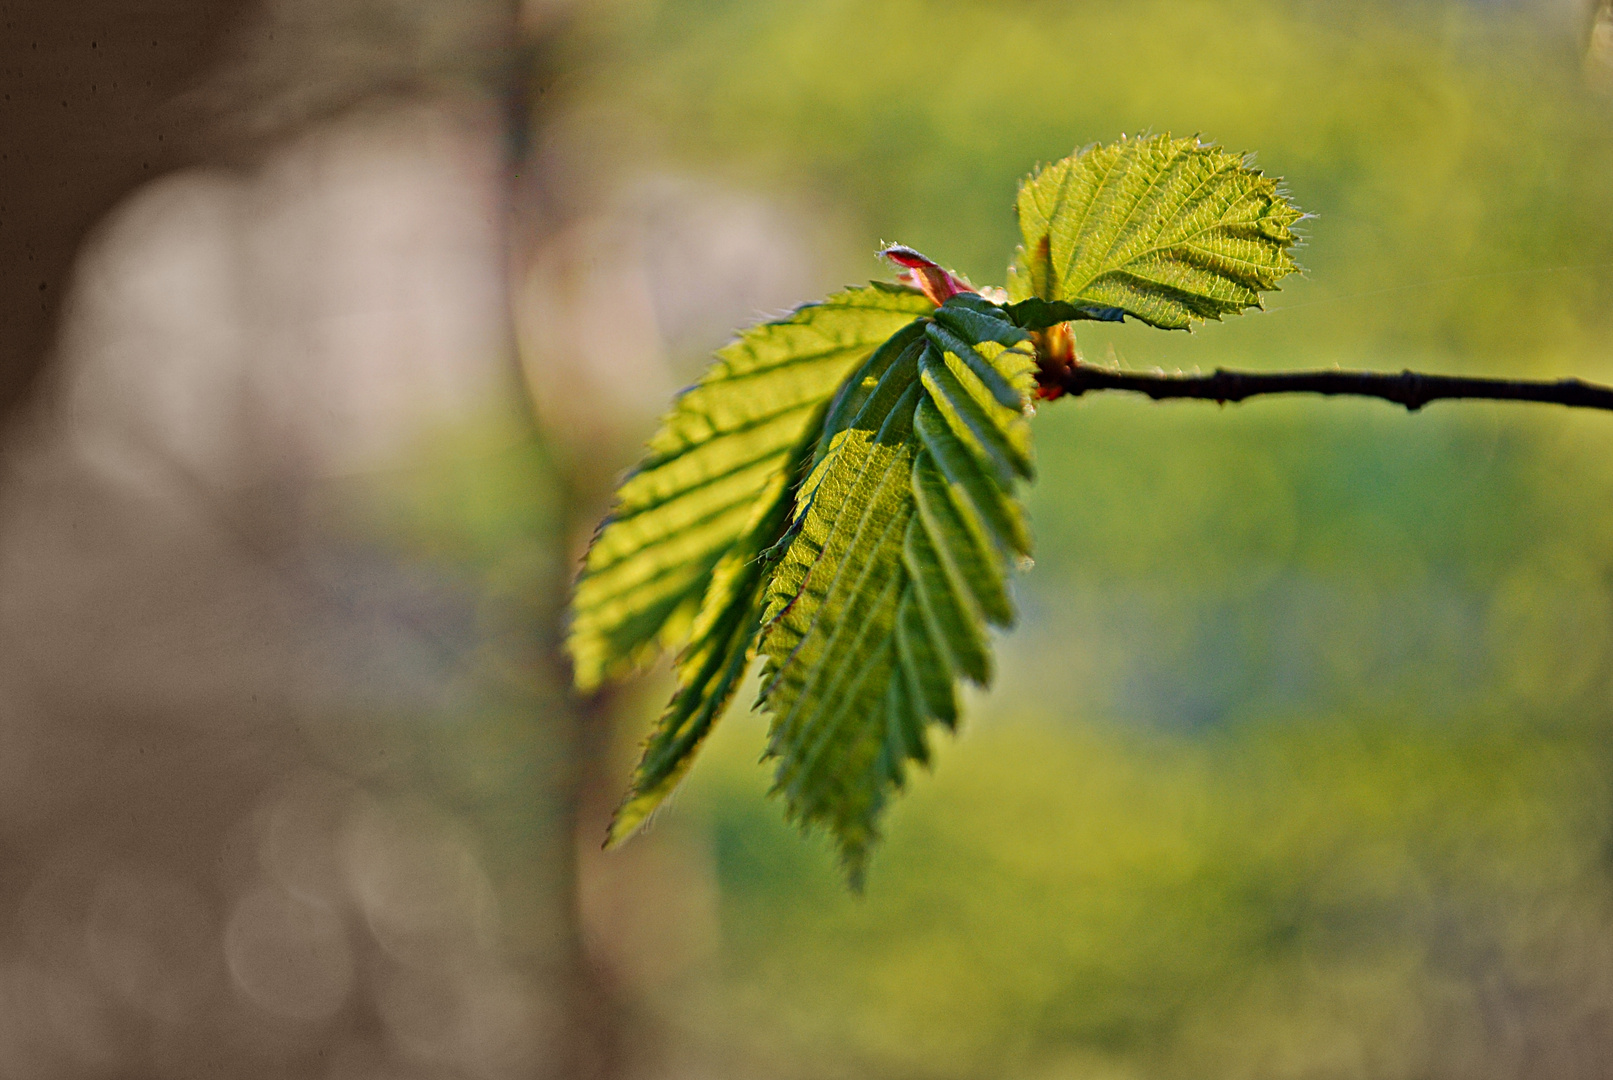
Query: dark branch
(1407, 388)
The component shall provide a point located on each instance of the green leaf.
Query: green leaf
(995, 381)
(980, 321)
(891, 573)
(719, 651)
(988, 434)
(854, 393)
(838, 492)
(971, 484)
(1166, 230)
(963, 551)
(721, 450)
(1038, 314)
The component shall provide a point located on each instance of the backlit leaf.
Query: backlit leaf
(880, 602)
(723, 446)
(1166, 230)
(838, 492)
(719, 651)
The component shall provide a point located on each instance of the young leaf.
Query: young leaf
(1038, 314)
(719, 650)
(829, 638)
(838, 491)
(880, 600)
(1166, 230)
(724, 445)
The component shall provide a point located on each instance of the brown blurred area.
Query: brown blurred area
(252, 251)
(85, 87)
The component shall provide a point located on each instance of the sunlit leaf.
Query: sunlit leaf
(719, 651)
(1166, 230)
(880, 602)
(838, 492)
(723, 446)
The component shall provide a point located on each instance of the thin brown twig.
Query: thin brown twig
(1408, 388)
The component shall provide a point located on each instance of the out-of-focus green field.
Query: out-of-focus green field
(1298, 764)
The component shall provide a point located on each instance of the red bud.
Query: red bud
(924, 273)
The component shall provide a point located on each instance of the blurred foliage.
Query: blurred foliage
(1448, 148)
(1284, 890)
(1297, 765)
(1282, 777)
(472, 521)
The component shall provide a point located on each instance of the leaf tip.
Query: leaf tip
(587, 667)
(626, 823)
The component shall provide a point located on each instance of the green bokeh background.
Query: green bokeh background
(1298, 763)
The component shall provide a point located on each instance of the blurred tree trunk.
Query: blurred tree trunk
(595, 1012)
(85, 89)
(98, 101)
